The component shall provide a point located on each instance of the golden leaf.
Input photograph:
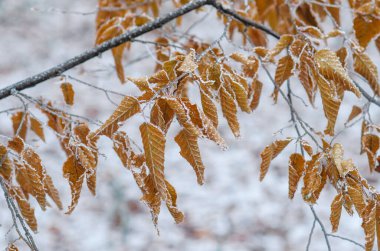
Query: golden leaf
(306, 70)
(366, 27)
(342, 55)
(355, 192)
(37, 128)
(312, 180)
(20, 124)
(307, 147)
(161, 114)
(117, 53)
(172, 203)
(330, 103)
(229, 111)
(74, 173)
(17, 144)
(336, 211)
(52, 191)
(182, 114)
(369, 224)
(330, 67)
(284, 42)
(257, 87)
(283, 72)
(154, 147)
(296, 167)
(269, 153)
(123, 148)
(68, 93)
(366, 67)
(6, 164)
(190, 151)
(371, 145)
(128, 107)
(240, 92)
(208, 106)
(354, 113)
(36, 174)
(26, 210)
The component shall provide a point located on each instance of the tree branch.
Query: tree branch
(126, 37)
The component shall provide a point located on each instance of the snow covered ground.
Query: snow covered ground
(232, 211)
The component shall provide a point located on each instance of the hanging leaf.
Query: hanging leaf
(296, 168)
(366, 28)
(26, 210)
(154, 148)
(68, 93)
(269, 153)
(369, 224)
(74, 173)
(366, 67)
(257, 87)
(356, 110)
(283, 72)
(371, 144)
(330, 67)
(20, 124)
(229, 111)
(128, 107)
(190, 151)
(336, 211)
(37, 128)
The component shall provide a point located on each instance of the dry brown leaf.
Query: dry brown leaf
(26, 210)
(257, 87)
(20, 124)
(356, 110)
(229, 111)
(36, 175)
(74, 173)
(190, 151)
(6, 164)
(283, 72)
(336, 211)
(128, 107)
(369, 224)
(208, 106)
(367, 68)
(307, 147)
(52, 191)
(269, 153)
(330, 103)
(356, 195)
(12, 247)
(37, 128)
(366, 28)
(296, 167)
(371, 144)
(68, 93)
(154, 147)
(330, 67)
(337, 153)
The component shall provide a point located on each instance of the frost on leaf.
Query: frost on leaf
(371, 145)
(188, 65)
(330, 67)
(296, 168)
(128, 107)
(74, 173)
(229, 111)
(27, 211)
(190, 151)
(269, 153)
(369, 224)
(366, 28)
(154, 148)
(283, 72)
(336, 211)
(367, 68)
(20, 124)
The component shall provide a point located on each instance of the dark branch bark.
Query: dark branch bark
(126, 37)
